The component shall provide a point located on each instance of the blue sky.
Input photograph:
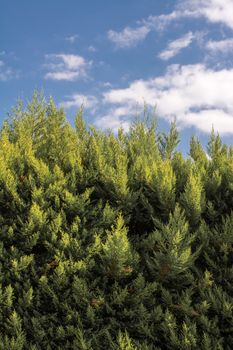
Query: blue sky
(112, 56)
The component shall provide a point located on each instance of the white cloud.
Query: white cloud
(72, 38)
(117, 117)
(215, 11)
(77, 100)
(66, 67)
(106, 84)
(159, 23)
(112, 122)
(224, 46)
(205, 119)
(176, 46)
(195, 95)
(6, 72)
(92, 48)
(128, 37)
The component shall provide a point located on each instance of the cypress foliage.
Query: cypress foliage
(112, 241)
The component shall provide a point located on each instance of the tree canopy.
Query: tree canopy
(112, 241)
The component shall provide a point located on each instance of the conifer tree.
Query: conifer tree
(112, 241)
(168, 143)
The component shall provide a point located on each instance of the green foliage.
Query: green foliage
(192, 198)
(168, 143)
(125, 342)
(116, 251)
(112, 241)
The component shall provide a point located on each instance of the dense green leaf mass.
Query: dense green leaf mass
(112, 242)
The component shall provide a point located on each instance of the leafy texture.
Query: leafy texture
(112, 241)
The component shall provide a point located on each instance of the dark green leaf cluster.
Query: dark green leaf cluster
(113, 242)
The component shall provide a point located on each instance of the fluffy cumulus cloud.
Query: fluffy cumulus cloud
(215, 11)
(78, 100)
(112, 121)
(174, 47)
(117, 117)
(66, 67)
(194, 94)
(128, 37)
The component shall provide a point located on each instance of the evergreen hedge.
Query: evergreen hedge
(112, 241)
